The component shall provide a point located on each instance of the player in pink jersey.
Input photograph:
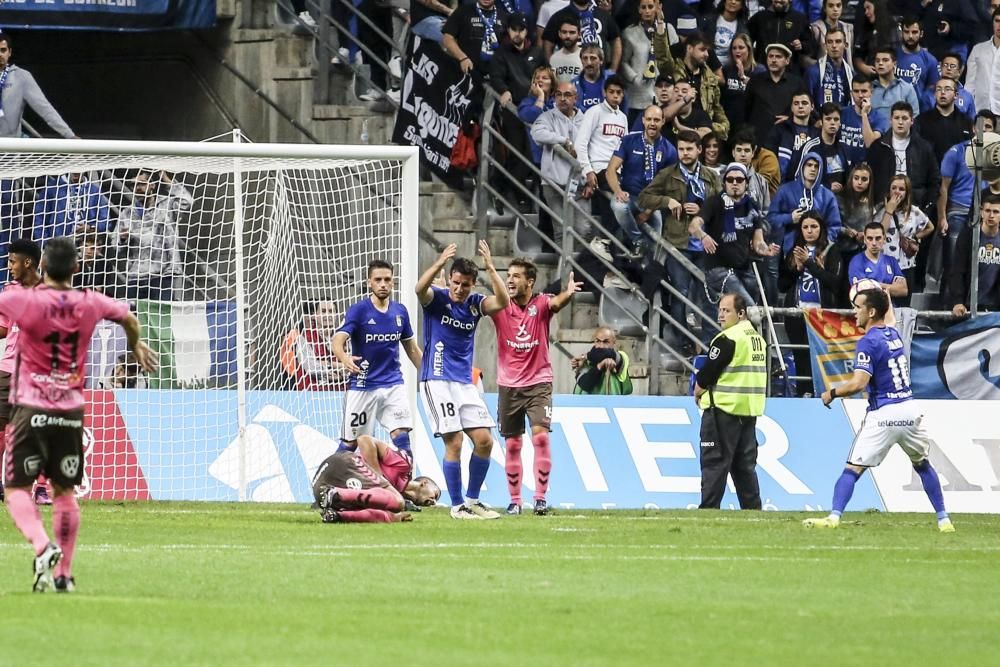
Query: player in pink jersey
(370, 485)
(23, 257)
(524, 376)
(56, 323)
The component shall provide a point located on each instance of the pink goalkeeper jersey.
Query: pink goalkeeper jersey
(7, 361)
(56, 326)
(523, 343)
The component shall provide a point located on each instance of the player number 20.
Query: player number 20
(358, 419)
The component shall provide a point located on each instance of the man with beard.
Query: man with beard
(590, 82)
(566, 62)
(596, 27)
(915, 64)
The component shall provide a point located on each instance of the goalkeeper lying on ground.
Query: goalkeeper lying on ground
(370, 485)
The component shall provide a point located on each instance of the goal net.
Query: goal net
(239, 261)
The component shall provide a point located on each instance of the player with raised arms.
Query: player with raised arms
(881, 367)
(454, 405)
(370, 485)
(56, 323)
(524, 376)
(376, 326)
(23, 257)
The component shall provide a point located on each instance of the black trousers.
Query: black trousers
(728, 446)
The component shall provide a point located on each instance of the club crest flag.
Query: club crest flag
(833, 339)
(962, 362)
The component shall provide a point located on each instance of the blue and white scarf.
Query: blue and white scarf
(490, 41)
(695, 186)
(729, 210)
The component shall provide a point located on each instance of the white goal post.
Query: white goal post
(239, 260)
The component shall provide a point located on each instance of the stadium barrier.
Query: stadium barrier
(607, 452)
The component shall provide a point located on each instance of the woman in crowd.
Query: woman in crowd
(638, 62)
(811, 277)
(873, 27)
(711, 152)
(720, 28)
(539, 99)
(735, 77)
(856, 211)
(905, 226)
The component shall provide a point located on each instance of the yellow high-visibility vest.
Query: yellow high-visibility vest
(742, 387)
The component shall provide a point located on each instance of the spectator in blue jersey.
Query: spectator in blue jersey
(67, 205)
(915, 64)
(952, 68)
(954, 202)
(887, 88)
(376, 326)
(829, 79)
(453, 403)
(905, 226)
(639, 157)
(860, 125)
(958, 295)
(829, 147)
(813, 9)
(792, 200)
(590, 82)
(881, 367)
(943, 125)
(876, 265)
(790, 135)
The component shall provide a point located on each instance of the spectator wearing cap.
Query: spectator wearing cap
(596, 27)
(639, 68)
(780, 24)
(515, 61)
(663, 97)
(731, 228)
(693, 67)
(769, 93)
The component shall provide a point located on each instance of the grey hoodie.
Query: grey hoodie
(19, 88)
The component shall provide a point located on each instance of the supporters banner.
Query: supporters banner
(196, 342)
(434, 102)
(832, 342)
(119, 15)
(962, 362)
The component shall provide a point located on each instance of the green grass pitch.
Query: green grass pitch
(220, 584)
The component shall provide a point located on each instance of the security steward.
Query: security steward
(731, 388)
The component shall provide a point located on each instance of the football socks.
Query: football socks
(512, 465)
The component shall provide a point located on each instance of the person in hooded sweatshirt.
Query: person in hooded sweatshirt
(792, 200)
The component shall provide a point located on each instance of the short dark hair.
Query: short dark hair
(689, 136)
(697, 39)
(909, 19)
(875, 225)
(614, 80)
(60, 258)
(378, 264)
(530, 270)
(464, 266)
(862, 78)
(986, 113)
(878, 300)
(831, 31)
(744, 135)
(991, 198)
(901, 106)
(26, 247)
(800, 92)
(886, 49)
(956, 56)
(4, 37)
(570, 20)
(739, 303)
(828, 109)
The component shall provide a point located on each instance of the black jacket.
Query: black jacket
(832, 289)
(921, 166)
(943, 132)
(766, 27)
(511, 70)
(959, 280)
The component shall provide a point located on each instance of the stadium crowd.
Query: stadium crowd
(779, 132)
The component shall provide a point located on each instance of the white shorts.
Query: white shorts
(386, 404)
(455, 406)
(895, 424)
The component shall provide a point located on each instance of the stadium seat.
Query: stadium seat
(614, 308)
(527, 242)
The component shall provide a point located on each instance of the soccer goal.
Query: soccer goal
(240, 260)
